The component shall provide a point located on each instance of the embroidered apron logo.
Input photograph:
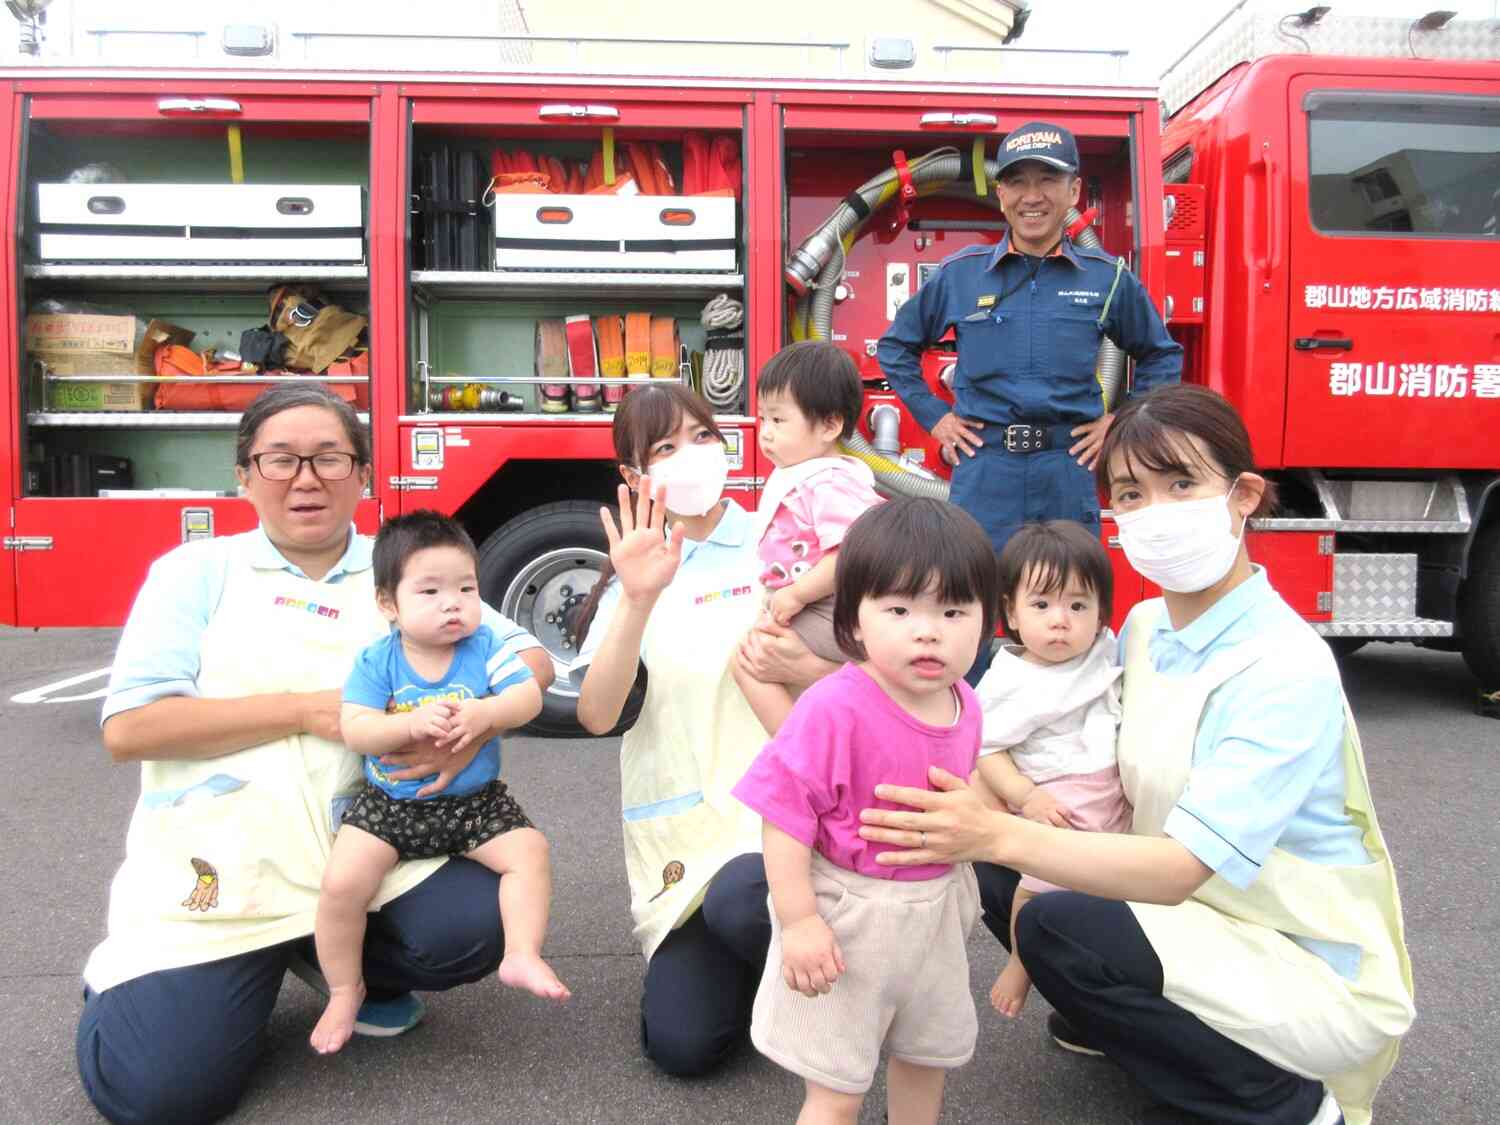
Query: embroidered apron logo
(205, 894)
(724, 594)
(303, 604)
(671, 875)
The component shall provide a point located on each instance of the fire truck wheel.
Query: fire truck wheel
(538, 570)
(1479, 609)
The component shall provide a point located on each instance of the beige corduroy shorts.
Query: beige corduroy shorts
(905, 987)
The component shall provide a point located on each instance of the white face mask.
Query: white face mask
(693, 478)
(1183, 546)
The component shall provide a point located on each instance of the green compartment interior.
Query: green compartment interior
(270, 156)
(167, 458)
(498, 338)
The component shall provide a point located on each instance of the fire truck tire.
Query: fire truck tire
(538, 570)
(1479, 609)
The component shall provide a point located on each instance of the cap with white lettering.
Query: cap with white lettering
(1038, 140)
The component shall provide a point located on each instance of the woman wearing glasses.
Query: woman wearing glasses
(226, 688)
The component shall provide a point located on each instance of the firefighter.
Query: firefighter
(1028, 417)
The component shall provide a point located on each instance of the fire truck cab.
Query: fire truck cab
(1334, 256)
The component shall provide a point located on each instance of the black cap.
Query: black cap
(1038, 140)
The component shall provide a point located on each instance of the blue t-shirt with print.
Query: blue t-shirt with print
(382, 679)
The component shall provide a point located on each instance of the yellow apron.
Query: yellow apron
(225, 855)
(1224, 953)
(694, 740)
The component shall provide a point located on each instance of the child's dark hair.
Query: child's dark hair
(905, 546)
(1055, 552)
(820, 377)
(401, 537)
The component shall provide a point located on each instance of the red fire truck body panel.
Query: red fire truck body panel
(1272, 273)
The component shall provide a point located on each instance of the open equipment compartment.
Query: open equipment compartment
(537, 305)
(832, 147)
(195, 204)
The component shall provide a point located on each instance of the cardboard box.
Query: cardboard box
(96, 344)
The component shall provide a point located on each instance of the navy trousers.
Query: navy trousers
(1005, 490)
(700, 983)
(1090, 958)
(181, 1045)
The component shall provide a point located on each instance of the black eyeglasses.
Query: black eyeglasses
(286, 466)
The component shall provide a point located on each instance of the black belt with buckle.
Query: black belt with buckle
(1030, 437)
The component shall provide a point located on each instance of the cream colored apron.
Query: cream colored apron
(225, 855)
(1224, 953)
(694, 740)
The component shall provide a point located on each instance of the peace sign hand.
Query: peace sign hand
(645, 559)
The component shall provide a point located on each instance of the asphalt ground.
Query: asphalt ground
(486, 1054)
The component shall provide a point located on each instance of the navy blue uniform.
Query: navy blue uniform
(1027, 347)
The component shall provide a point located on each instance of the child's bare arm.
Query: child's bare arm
(1019, 792)
(811, 959)
(814, 586)
(1005, 781)
(371, 732)
(482, 719)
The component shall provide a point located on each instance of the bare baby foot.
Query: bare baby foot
(1008, 996)
(530, 972)
(336, 1024)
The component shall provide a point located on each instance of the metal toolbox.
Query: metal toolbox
(199, 223)
(615, 232)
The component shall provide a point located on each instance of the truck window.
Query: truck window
(1178, 168)
(1404, 164)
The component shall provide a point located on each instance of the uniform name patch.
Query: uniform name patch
(724, 594)
(306, 606)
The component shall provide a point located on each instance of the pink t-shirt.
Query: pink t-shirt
(844, 737)
(811, 521)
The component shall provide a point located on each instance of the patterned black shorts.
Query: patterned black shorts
(437, 825)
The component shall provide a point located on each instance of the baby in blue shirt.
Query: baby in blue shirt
(441, 676)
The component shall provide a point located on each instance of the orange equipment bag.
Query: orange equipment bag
(182, 362)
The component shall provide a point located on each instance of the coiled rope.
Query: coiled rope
(724, 354)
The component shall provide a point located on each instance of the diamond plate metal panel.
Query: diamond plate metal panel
(1414, 627)
(1374, 587)
(1263, 27)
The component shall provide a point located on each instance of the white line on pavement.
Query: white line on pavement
(44, 694)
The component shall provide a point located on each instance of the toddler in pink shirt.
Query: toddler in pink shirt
(865, 957)
(808, 399)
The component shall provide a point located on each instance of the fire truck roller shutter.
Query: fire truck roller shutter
(538, 569)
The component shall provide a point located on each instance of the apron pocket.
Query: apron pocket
(207, 858)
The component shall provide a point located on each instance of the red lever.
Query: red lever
(908, 193)
(1085, 221)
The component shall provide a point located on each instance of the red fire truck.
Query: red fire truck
(202, 189)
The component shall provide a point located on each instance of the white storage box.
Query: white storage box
(199, 223)
(615, 232)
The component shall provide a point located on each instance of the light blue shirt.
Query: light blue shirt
(724, 549)
(158, 652)
(1268, 759)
